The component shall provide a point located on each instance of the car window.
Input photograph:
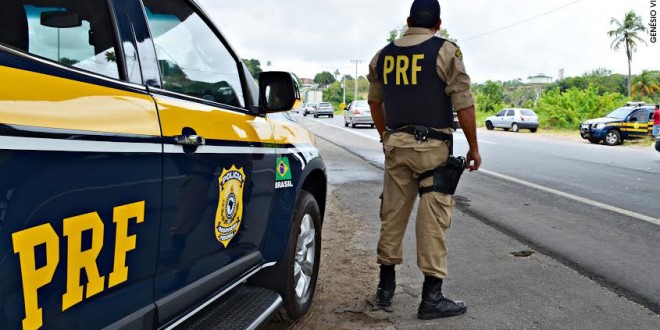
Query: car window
(324, 104)
(510, 113)
(501, 113)
(192, 60)
(76, 33)
(640, 116)
(527, 113)
(361, 104)
(620, 113)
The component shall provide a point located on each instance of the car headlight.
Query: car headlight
(600, 126)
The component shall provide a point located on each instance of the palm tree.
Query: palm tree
(626, 33)
(646, 84)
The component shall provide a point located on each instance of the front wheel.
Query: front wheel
(489, 126)
(613, 137)
(294, 276)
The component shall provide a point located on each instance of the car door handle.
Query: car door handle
(189, 140)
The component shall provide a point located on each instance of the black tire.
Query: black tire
(345, 123)
(515, 128)
(489, 126)
(282, 276)
(304, 114)
(612, 138)
(332, 116)
(353, 124)
(593, 140)
(373, 125)
(533, 130)
(316, 116)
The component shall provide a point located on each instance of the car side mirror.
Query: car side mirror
(278, 91)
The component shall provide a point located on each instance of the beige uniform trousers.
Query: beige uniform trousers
(405, 160)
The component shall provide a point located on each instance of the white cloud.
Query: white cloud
(307, 37)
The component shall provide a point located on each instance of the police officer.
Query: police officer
(416, 82)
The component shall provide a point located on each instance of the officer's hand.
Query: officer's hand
(473, 160)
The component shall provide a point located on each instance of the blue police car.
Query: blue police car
(145, 177)
(633, 121)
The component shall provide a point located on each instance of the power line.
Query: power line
(521, 22)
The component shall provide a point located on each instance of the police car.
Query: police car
(146, 180)
(632, 121)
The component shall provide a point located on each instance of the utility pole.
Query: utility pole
(343, 86)
(356, 77)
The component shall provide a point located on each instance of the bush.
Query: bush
(566, 110)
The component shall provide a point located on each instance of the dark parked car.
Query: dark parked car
(628, 122)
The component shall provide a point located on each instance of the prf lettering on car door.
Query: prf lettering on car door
(26, 242)
(404, 68)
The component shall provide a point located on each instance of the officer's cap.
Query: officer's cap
(424, 13)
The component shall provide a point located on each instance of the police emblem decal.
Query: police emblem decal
(230, 206)
(283, 173)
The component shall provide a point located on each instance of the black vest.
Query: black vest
(414, 93)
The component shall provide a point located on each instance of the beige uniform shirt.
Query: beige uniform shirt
(450, 69)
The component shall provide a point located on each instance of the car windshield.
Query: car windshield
(620, 113)
(325, 105)
(527, 113)
(361, 103)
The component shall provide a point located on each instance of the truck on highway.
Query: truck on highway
(315, 97)
(146, 180)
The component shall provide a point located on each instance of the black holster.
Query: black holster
(445, 178)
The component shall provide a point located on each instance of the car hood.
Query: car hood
(603, 120)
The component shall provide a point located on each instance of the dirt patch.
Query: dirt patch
(344, 281)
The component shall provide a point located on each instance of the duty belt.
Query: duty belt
(423, 133)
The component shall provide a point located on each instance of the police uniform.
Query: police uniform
(406, 159)
(418, 78)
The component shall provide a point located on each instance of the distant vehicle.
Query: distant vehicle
(308, 108)
(457, 124)
(514, 119)
(625, 123)
(324, 109)
(358, 113)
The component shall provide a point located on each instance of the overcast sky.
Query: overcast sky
(309, 36)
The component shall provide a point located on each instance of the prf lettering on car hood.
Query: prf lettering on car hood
(26, 241)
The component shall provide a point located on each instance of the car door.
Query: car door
(507, 121)
(637, 123)
(219, 171)
(499, 118)
(80, 170)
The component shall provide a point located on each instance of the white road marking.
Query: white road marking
(576, 198)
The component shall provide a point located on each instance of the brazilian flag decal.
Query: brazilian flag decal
(283, 171)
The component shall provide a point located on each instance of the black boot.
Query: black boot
(434, 305)
(386, 286)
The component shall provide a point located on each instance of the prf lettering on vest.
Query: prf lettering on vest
(403, 67)
(26, 242)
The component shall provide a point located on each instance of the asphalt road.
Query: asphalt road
(592, 207)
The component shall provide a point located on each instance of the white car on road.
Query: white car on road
(514, 119)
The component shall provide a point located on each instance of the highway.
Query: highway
(594, 208)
